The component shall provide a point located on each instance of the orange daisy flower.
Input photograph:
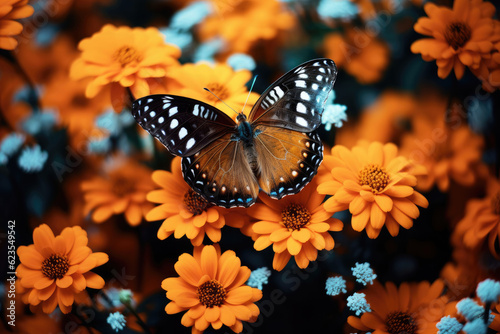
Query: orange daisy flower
(56, 270)
(212, 289)
(122, 189)
(482, 220)
(221, 79)
(366, 61)
(375, 185)
(121, 57)
(183, 210)
(243, 23)
(459, 37)
(412, 308)
(296, 225)
(11, 10)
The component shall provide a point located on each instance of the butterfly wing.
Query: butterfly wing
(183, 125)
(297, 99)
(287, 159)
(220, 172)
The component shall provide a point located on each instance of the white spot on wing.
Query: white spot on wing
(300, 83)
(161, 119)
(152, 114)
(301, 108)
(301, 121)
(196, 110)
(172, 111)
(279, 91)
(174, 123)
(305, 96)
(182, 133)
(190, 143)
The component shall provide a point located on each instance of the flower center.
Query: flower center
(56, 266)
(211, 293)
(123, 186)
(80, 100)
(495, 203)
(374, 176)
(457, 34)
(218, 90)
(126, 55)
(400, 323)
(295, 216)
(194, 202)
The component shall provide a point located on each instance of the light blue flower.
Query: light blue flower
(116, 321)
(334, 114)
(241, 61)
(12, 143)
(188, 17)
(337, 9)
(357, 303)
(99, 145)
(207, 50)
(46, 34)
(3, 159)
(488, 291)
(177, 37)
(363, 273)
(25, 94)
(114, 123)
(448, 325)
(39, 122)
(469, 309)
(335, 286)
(475, 327)
(126, 296)
(32, 159)
(258, 278)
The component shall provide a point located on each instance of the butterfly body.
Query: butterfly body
(276, 149)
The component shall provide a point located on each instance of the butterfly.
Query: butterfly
(276, 149)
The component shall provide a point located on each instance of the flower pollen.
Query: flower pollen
(123, 186)
(375, 177)
(211, 293)
(126, 55)
(295, 216)
(194, 202)
(56, 266)
(457, 34)
(495, 203)
(218, 90)
(401, 322)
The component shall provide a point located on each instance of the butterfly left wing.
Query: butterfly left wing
(221, 173)
(287, 159)
(297, 99)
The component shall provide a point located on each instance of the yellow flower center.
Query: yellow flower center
(295, 216)
(194, 202)
(56, 266)
(495, 203)
(126, 55)
(457, 34)
(400, 322)
(374, 176)
(219, 90)
(211, 293)
(123, 186)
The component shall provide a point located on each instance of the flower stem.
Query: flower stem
(83, 322)
(139, 320)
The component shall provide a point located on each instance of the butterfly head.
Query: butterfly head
(241, 117)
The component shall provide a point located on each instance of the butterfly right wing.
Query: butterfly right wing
(220, 172)
(183, 125)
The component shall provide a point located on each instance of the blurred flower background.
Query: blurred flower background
(109, 238)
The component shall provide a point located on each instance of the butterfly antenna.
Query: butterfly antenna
(208, 90)
(251, 87)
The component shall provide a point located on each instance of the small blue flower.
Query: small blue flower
(177, 37)
(109, 121)
(334, 114)
(335, 286)
(126, 119)
(241, 61)
(448, 325)
(25, 94)
(112, 299)
(475, 327)
(126, 296)
(116, 321)
(337, 9)
(12, 143)
(363, 273)
(99, 145)
(39, 121)
(357, 303)
(207, 50)
(188, 17)
(32, 159)
(471, 310)
(259, 277)
(488, 291)
(46, 34)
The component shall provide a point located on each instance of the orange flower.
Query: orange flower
(183, 210)
(296, 225)
(495, 324)
(122, 190)
(411, 308)
(221, 79)
(11, 10)
(56, 270)
(375, 185)
(459, 37)
(212, 289)
(361, 55)
(242, 23)
(482, 220)
(124, 57)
